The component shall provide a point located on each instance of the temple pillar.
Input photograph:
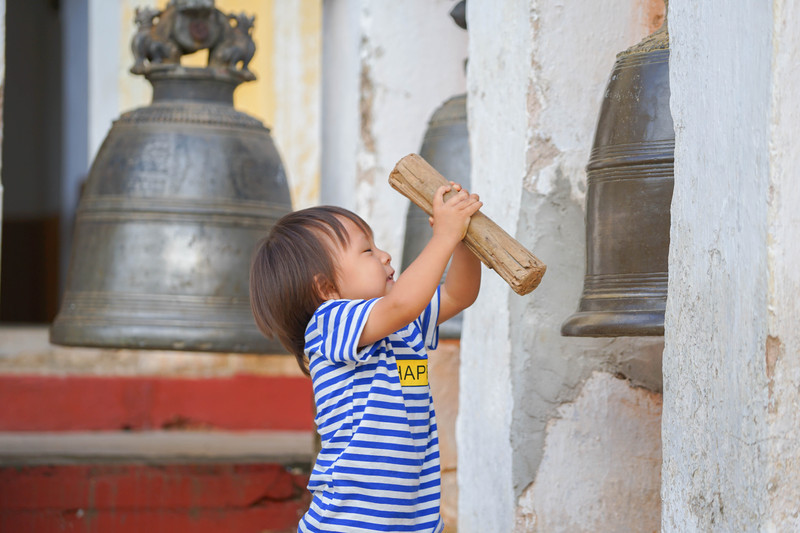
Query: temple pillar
(554, 433)
(731, 425)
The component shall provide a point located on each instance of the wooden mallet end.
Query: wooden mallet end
(418, 181)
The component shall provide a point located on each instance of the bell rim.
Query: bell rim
(632, 323)
(195, 338)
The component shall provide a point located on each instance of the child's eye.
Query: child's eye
(368, 251)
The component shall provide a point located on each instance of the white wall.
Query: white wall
(730, 425)
(409, 60)
(600, 470)
(783, 252)
(536, 77)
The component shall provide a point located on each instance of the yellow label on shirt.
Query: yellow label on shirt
(413, 372)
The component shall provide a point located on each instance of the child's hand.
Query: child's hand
(451, 218)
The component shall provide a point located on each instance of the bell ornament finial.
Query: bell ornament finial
(187, 26)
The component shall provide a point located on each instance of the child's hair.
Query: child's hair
(293, 270)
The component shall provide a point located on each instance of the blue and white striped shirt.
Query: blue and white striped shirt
(378, 469)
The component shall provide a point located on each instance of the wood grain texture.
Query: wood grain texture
(418, 181)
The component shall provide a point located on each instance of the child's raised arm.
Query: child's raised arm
(415, 287)
(462, 283)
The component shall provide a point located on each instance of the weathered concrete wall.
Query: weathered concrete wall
(783, 252)
(534, 96)
(622, 458)
(410, 59)
(730, 426)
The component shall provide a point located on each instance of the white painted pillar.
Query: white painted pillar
(536, 77)
(731, 426)
(104, 69)
(402, 59)
(341, 38)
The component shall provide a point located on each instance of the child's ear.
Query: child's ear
(325, 287)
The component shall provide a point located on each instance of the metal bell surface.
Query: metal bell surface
(446, 147)
(177, 198)
(629, 190)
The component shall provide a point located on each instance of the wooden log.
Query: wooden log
(418, 181)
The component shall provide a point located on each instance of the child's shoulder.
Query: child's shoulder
(331, 305)
(338, 309)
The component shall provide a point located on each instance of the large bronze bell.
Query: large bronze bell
(176, 199)
(630, 180)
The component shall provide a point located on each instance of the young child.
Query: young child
(320, 285)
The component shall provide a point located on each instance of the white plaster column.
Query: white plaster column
(783, 252)
(497, 97)
(731, 427)
(104, 70)
(340, 99)
(536, 77)
(402, 59)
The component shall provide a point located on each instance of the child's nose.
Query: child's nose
(385, 257)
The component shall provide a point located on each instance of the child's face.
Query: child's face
(364, 270)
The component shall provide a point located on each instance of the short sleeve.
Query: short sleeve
(427, 321)
(335, 328)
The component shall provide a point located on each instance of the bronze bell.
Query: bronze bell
(177, 197)
(630, 180)
(446, 147)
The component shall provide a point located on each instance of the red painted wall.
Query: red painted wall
(152, 499)
(81, 403)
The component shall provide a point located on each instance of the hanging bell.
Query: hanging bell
(629, 190)
(446, 147)
(177, 198)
